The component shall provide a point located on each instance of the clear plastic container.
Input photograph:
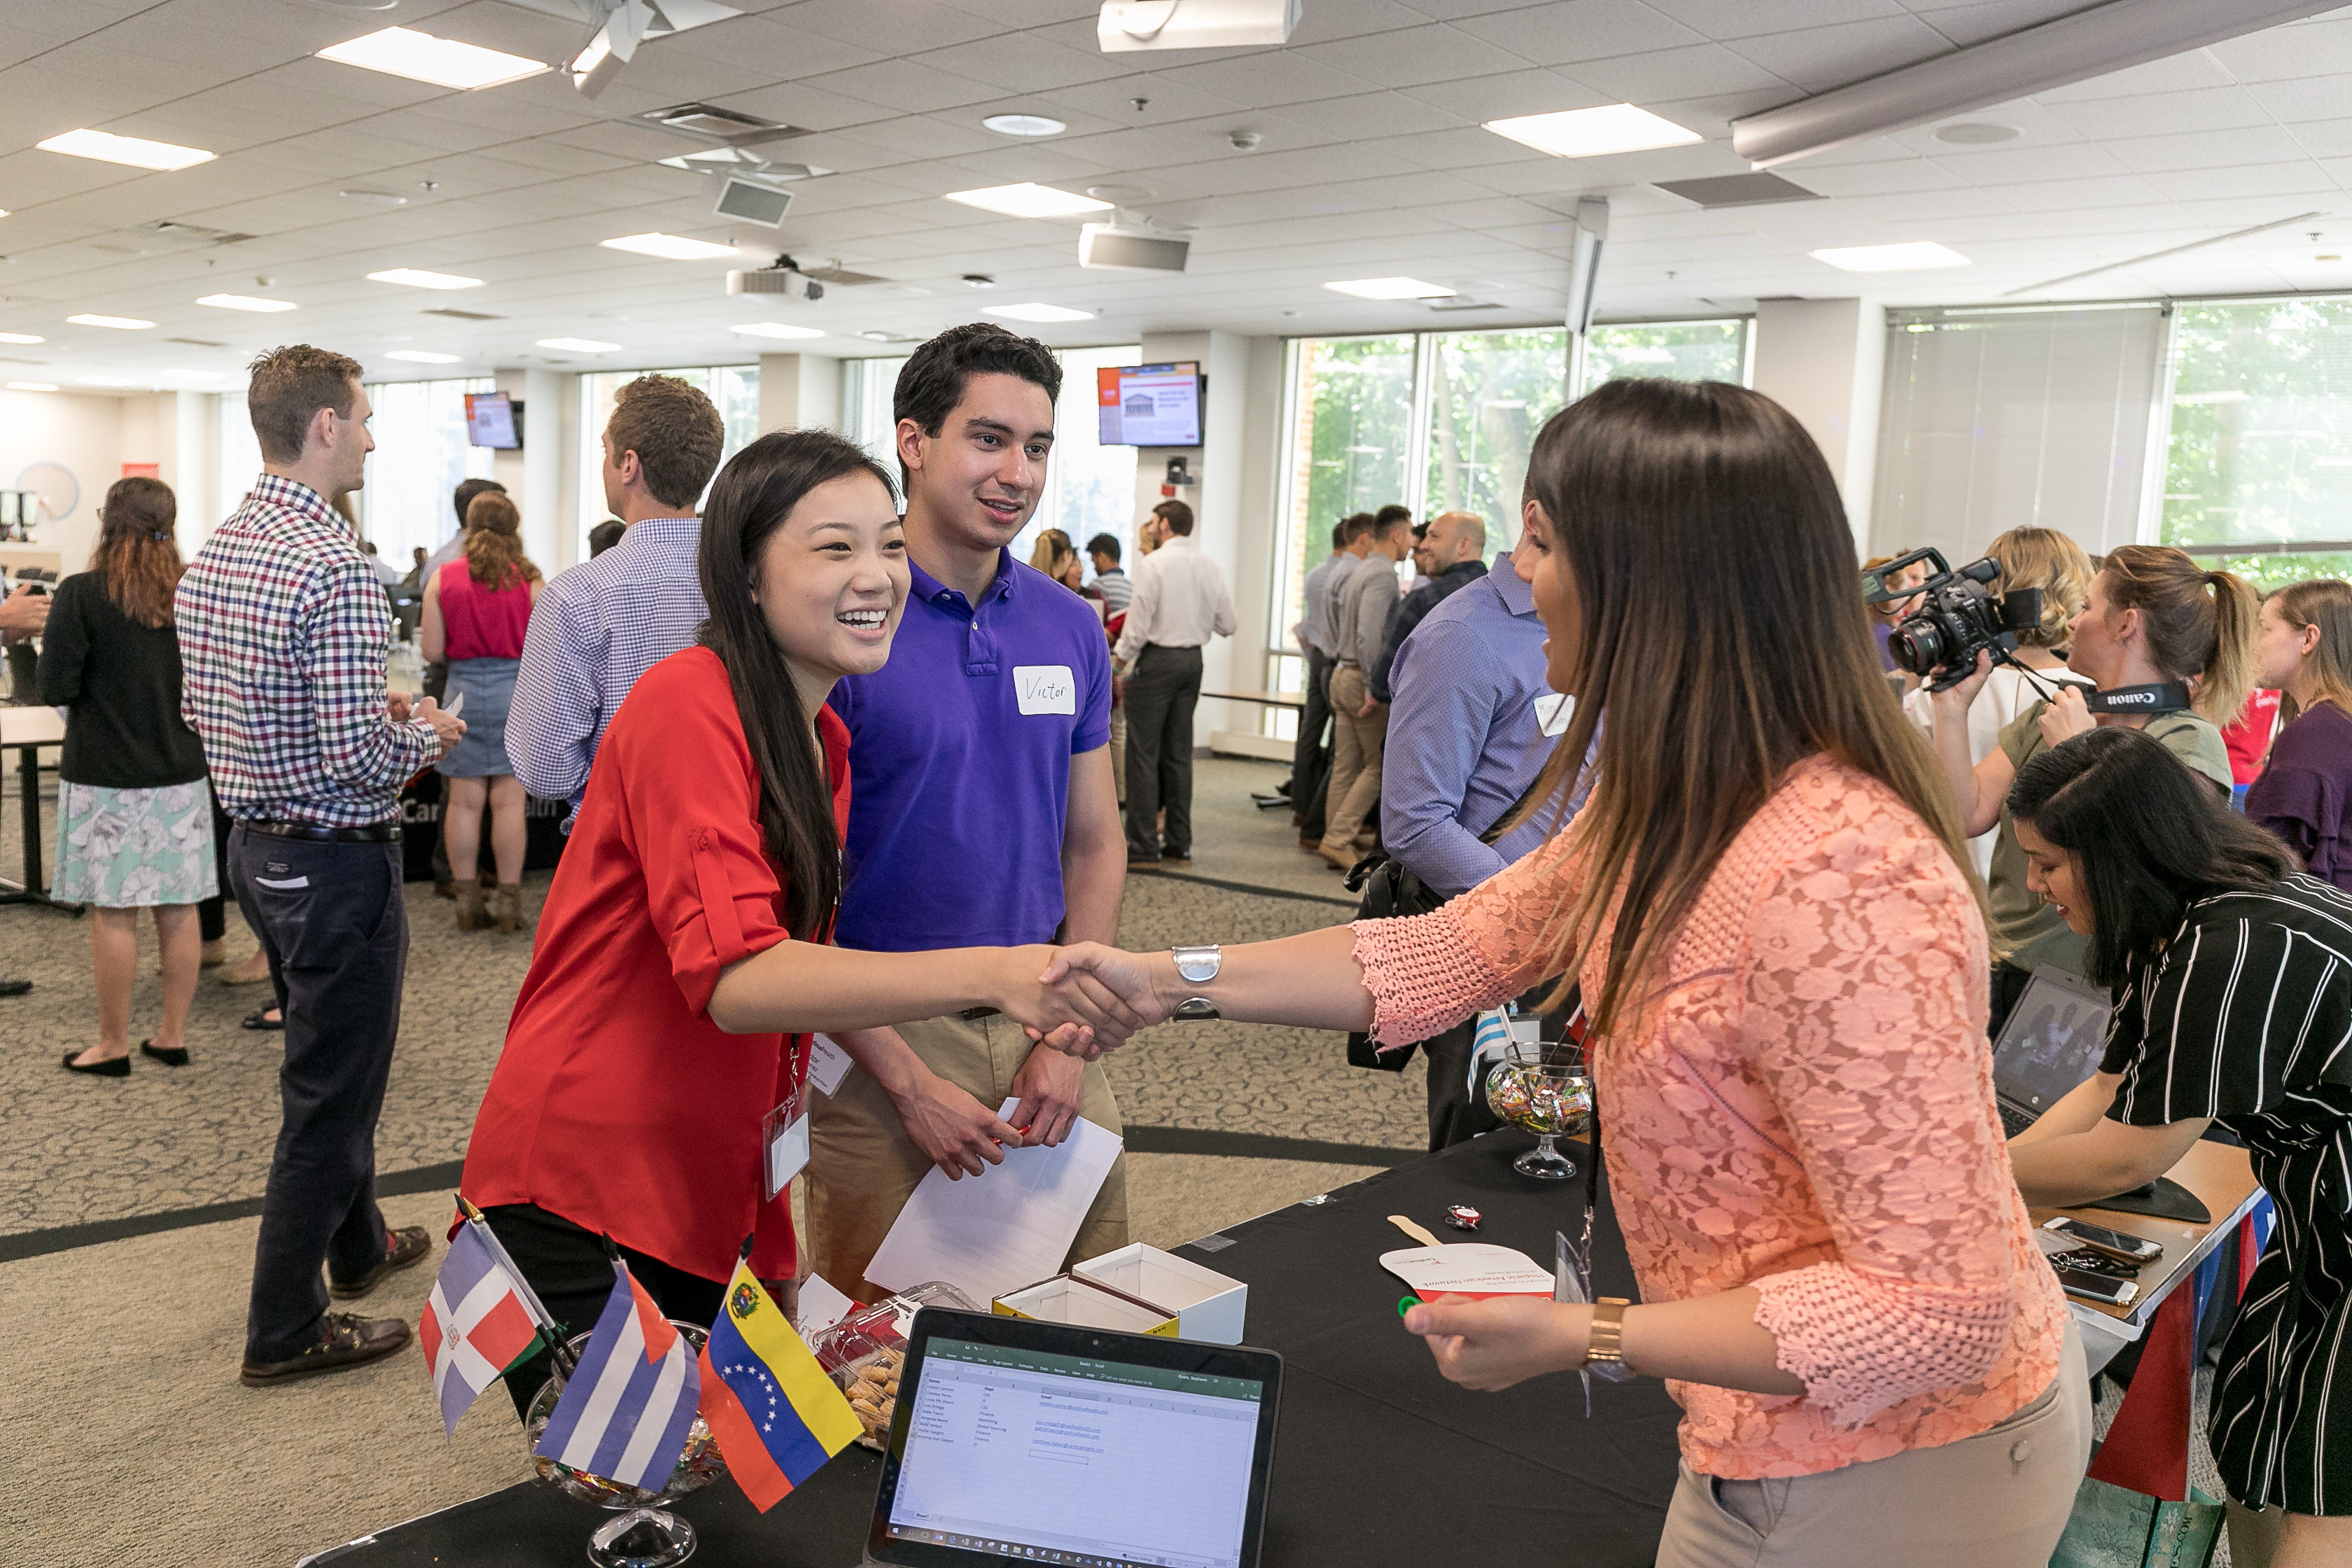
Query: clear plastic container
(862, 1353)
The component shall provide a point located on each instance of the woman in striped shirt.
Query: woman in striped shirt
(2232, 974)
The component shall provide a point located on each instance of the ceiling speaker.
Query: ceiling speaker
(752, 202)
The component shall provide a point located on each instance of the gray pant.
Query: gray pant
(1160, 696)
(1310, 759)
(330, 917)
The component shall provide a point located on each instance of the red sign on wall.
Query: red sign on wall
(143, 470)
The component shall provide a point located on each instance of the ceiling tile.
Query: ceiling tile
(1017, 63)
(1819, 58)
(1577, 30)
(1368, 116)
(1973, 24)
(2317, 48)
(2311, 97)
(2177, 73)
(1501, 97)
(1722, 20)
(1268, 78)
(1675, 73)
(902, 85)
(1909, 175)
(1411, 56)
(2060, 196)
(901, 28)
(2254, 150)
(2159, 114)
(2302, 177)
(2025, 165)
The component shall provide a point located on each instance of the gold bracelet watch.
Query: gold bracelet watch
(1605, 1340)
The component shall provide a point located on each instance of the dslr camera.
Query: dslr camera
(1960, 619)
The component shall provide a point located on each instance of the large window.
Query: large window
(734, 389)
(866, 387)
(1489, 394)
(421, 454)
(2258, 478)
(1680, 350)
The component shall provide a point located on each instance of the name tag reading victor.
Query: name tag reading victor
(1553, 710)
(1045, 689)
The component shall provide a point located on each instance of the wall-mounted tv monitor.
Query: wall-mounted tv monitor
(1150, 404)
(493, 419)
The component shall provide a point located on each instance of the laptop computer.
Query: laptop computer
(2051, 1043)
(1015, 1440)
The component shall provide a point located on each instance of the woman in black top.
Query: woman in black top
(135, 818)
(2232, 976)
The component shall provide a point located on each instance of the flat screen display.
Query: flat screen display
(491, 421)
(1150, 404)
(2052, 1041)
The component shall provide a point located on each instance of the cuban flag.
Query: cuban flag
(475, 1326)
(625, 1411)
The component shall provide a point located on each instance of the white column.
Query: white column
(799, 392)
(534, 476)
(1825, 362)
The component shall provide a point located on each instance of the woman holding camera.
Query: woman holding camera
(2305, 792)
(2153, 618)
(2234, 1000)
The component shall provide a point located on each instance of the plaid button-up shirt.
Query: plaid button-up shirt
(284, 631)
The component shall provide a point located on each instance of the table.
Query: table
(1267, 698)
(25, 731)
(1377, 1459)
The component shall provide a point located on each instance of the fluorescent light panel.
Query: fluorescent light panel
(125, 323)
(20, 338)
(245, 302)
(668, 246)
(108, 148)
(579, 345)
(1594, 133)
(775, 330)
(421, 56)
(417, 280)
(420, 356)
(1917, 256)
(32, 386)
(1037, 312)
(1390, 288)
(1026, 200)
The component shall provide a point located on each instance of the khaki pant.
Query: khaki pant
(863, 1167)
(1358, 741)
(1999, 1499)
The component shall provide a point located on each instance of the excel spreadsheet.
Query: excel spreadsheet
(1063, 1459)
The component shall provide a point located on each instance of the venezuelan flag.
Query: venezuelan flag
(777, 1417)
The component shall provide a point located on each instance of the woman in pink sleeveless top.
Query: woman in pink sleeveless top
(476, 609)
(1768, 904)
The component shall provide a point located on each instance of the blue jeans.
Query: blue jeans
(331, 920)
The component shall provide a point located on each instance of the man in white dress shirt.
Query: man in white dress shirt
(1179, 602)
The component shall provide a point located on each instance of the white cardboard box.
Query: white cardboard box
(1208, 1306)
(1068, 1299)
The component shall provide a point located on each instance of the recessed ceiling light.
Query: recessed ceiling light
(419, 356)
(127, 323)
(1976, 133)
(108, 148)
(579, 345)
(421, 56)
(1026, 200)
(775, 330)
(245, 302)
(380, 198)
(668, 246)
(1035, 312)
(105, 381)
(1594, 133)
(1917, 256)
(1024, 125)
(416, 279)
(32, 386)
(1390, 288)
(20, 338)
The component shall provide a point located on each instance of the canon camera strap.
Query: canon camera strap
(2145, 702)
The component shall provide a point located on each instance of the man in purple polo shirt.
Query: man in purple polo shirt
(982, 808)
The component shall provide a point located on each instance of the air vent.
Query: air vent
(196, 343)
(1459, 303)
(461, 315)
(1738, 190)
(835, 272)
(193, 233)
(707, 121)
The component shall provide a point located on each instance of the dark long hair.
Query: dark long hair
(1722, 639)
(749, 500)
(2148, 837)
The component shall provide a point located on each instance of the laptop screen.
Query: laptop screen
(1064, 1459)
(2052, 1040)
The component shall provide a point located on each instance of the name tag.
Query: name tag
(1045, 689)
(1553, 710)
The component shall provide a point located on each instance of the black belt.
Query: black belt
(373, 833)
(974, 1015)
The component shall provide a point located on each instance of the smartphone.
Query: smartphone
(2098, 1288)
(2114, 1243)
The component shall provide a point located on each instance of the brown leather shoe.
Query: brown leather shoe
(345, 1340)
(470, 913)
(401, 1247)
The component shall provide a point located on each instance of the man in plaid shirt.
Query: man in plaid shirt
(283, 638)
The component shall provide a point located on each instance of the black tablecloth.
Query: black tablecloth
(1377, 1459)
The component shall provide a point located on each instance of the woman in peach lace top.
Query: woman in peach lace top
(1785, 961)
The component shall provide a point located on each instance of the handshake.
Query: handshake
(1085, 999)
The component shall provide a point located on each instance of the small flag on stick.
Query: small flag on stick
(775, 1415)
(627, 1406)
(476, 1326)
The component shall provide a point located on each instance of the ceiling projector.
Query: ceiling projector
(1111, 248)
(781, 279)
(1127, 25)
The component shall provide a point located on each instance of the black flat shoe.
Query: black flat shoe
(118, 1067)
(177, 1057)
(260, 1019)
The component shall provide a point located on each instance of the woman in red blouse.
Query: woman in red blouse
(679, 959)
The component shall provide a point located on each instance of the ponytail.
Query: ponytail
(2201, 625)
(2232, 671)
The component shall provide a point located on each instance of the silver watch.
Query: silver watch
(1197, 965)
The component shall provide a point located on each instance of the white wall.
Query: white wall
(90, 437)
(799, 392)
(534, 477)
(1825, 362)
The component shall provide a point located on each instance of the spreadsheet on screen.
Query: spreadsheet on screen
(1069, 1460)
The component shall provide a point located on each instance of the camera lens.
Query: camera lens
(1917, 647)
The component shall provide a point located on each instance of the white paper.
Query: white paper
(1044, 689)
(788, 1152)
(1476, 1269)
(1010, 1225)
(822, 1306)
(1553, 710)
(828, 1065)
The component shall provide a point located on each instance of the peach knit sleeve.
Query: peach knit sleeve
(1428, 973)
(1862, 961)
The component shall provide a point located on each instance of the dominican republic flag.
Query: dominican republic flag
(775, 1414)
(475, 1326)
(625, 1413)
